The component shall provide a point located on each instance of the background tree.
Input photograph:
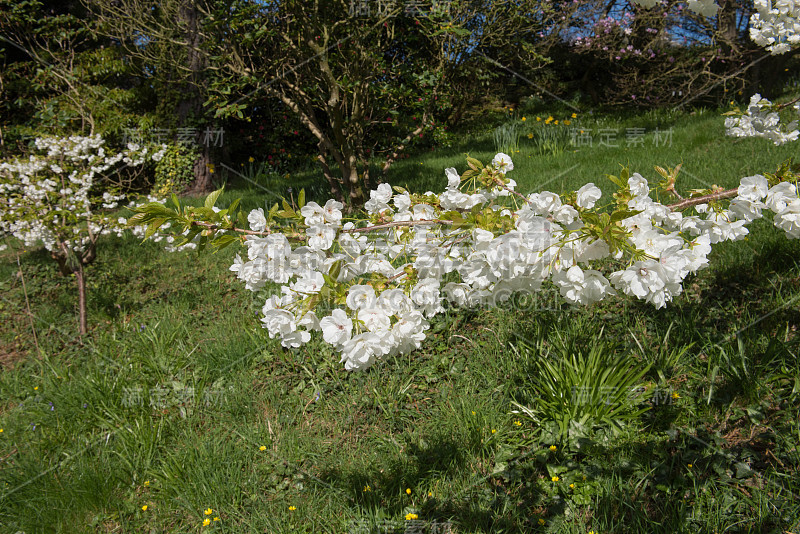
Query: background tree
(365, 81)
(59, 75)
(168, 40)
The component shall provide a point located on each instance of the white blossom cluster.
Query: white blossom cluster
(761, 120)
(53, 197)
(371, 293)
(776, 25)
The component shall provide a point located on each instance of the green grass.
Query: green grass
(168, 401)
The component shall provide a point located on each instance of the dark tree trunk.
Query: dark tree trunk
(190, 107)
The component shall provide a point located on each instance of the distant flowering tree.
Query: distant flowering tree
(57, 198)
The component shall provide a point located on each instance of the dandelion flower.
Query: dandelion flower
(408, 491)
(572, 486)
(206, 522)
(675, 395)
(553, 448)
(262, 448)
(541, 521)
(251, 159)
(208, 511)
(293, 508)
(216, 519)
(574, 115)
(146, 483)
(690, 466)
(494, 431)
(518, 423)
(144, 508)
(524, 119)
(367, 488)
(409, 517)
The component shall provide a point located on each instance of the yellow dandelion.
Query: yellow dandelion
(1, 430)
(567, 122)
(409, 517)
(430, 494)
(518, 423)
(524, 119)
(494, 431)
(251, 159)
(146, 483)
(556, 122)
(262, 448)
(473, 413)
(675, 395)
(538, 119)
(367, 488)
(530, 136)
(553, 448)
(293, 508)
(206, 522)
(690, 466)
(208, 511)
(216, 519)
(574, 115)
(572, 486)
(408, 491)
(144, 508)
(555, 479)
(541, 521)
(37, 387)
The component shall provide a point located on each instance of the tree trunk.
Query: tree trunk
(203, 182)
(726, 25)
(81, 280)
(191, 105)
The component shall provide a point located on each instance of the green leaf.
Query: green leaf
(474, 163)
(223, 241)
(155, 225)
(211, 199)
(623, 214)
(301, 198)
(234, 205)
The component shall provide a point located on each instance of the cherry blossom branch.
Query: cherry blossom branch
(499, 182)
(394, 224)
(233, 229)
(689, 202)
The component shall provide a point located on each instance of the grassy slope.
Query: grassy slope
(170, 399)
